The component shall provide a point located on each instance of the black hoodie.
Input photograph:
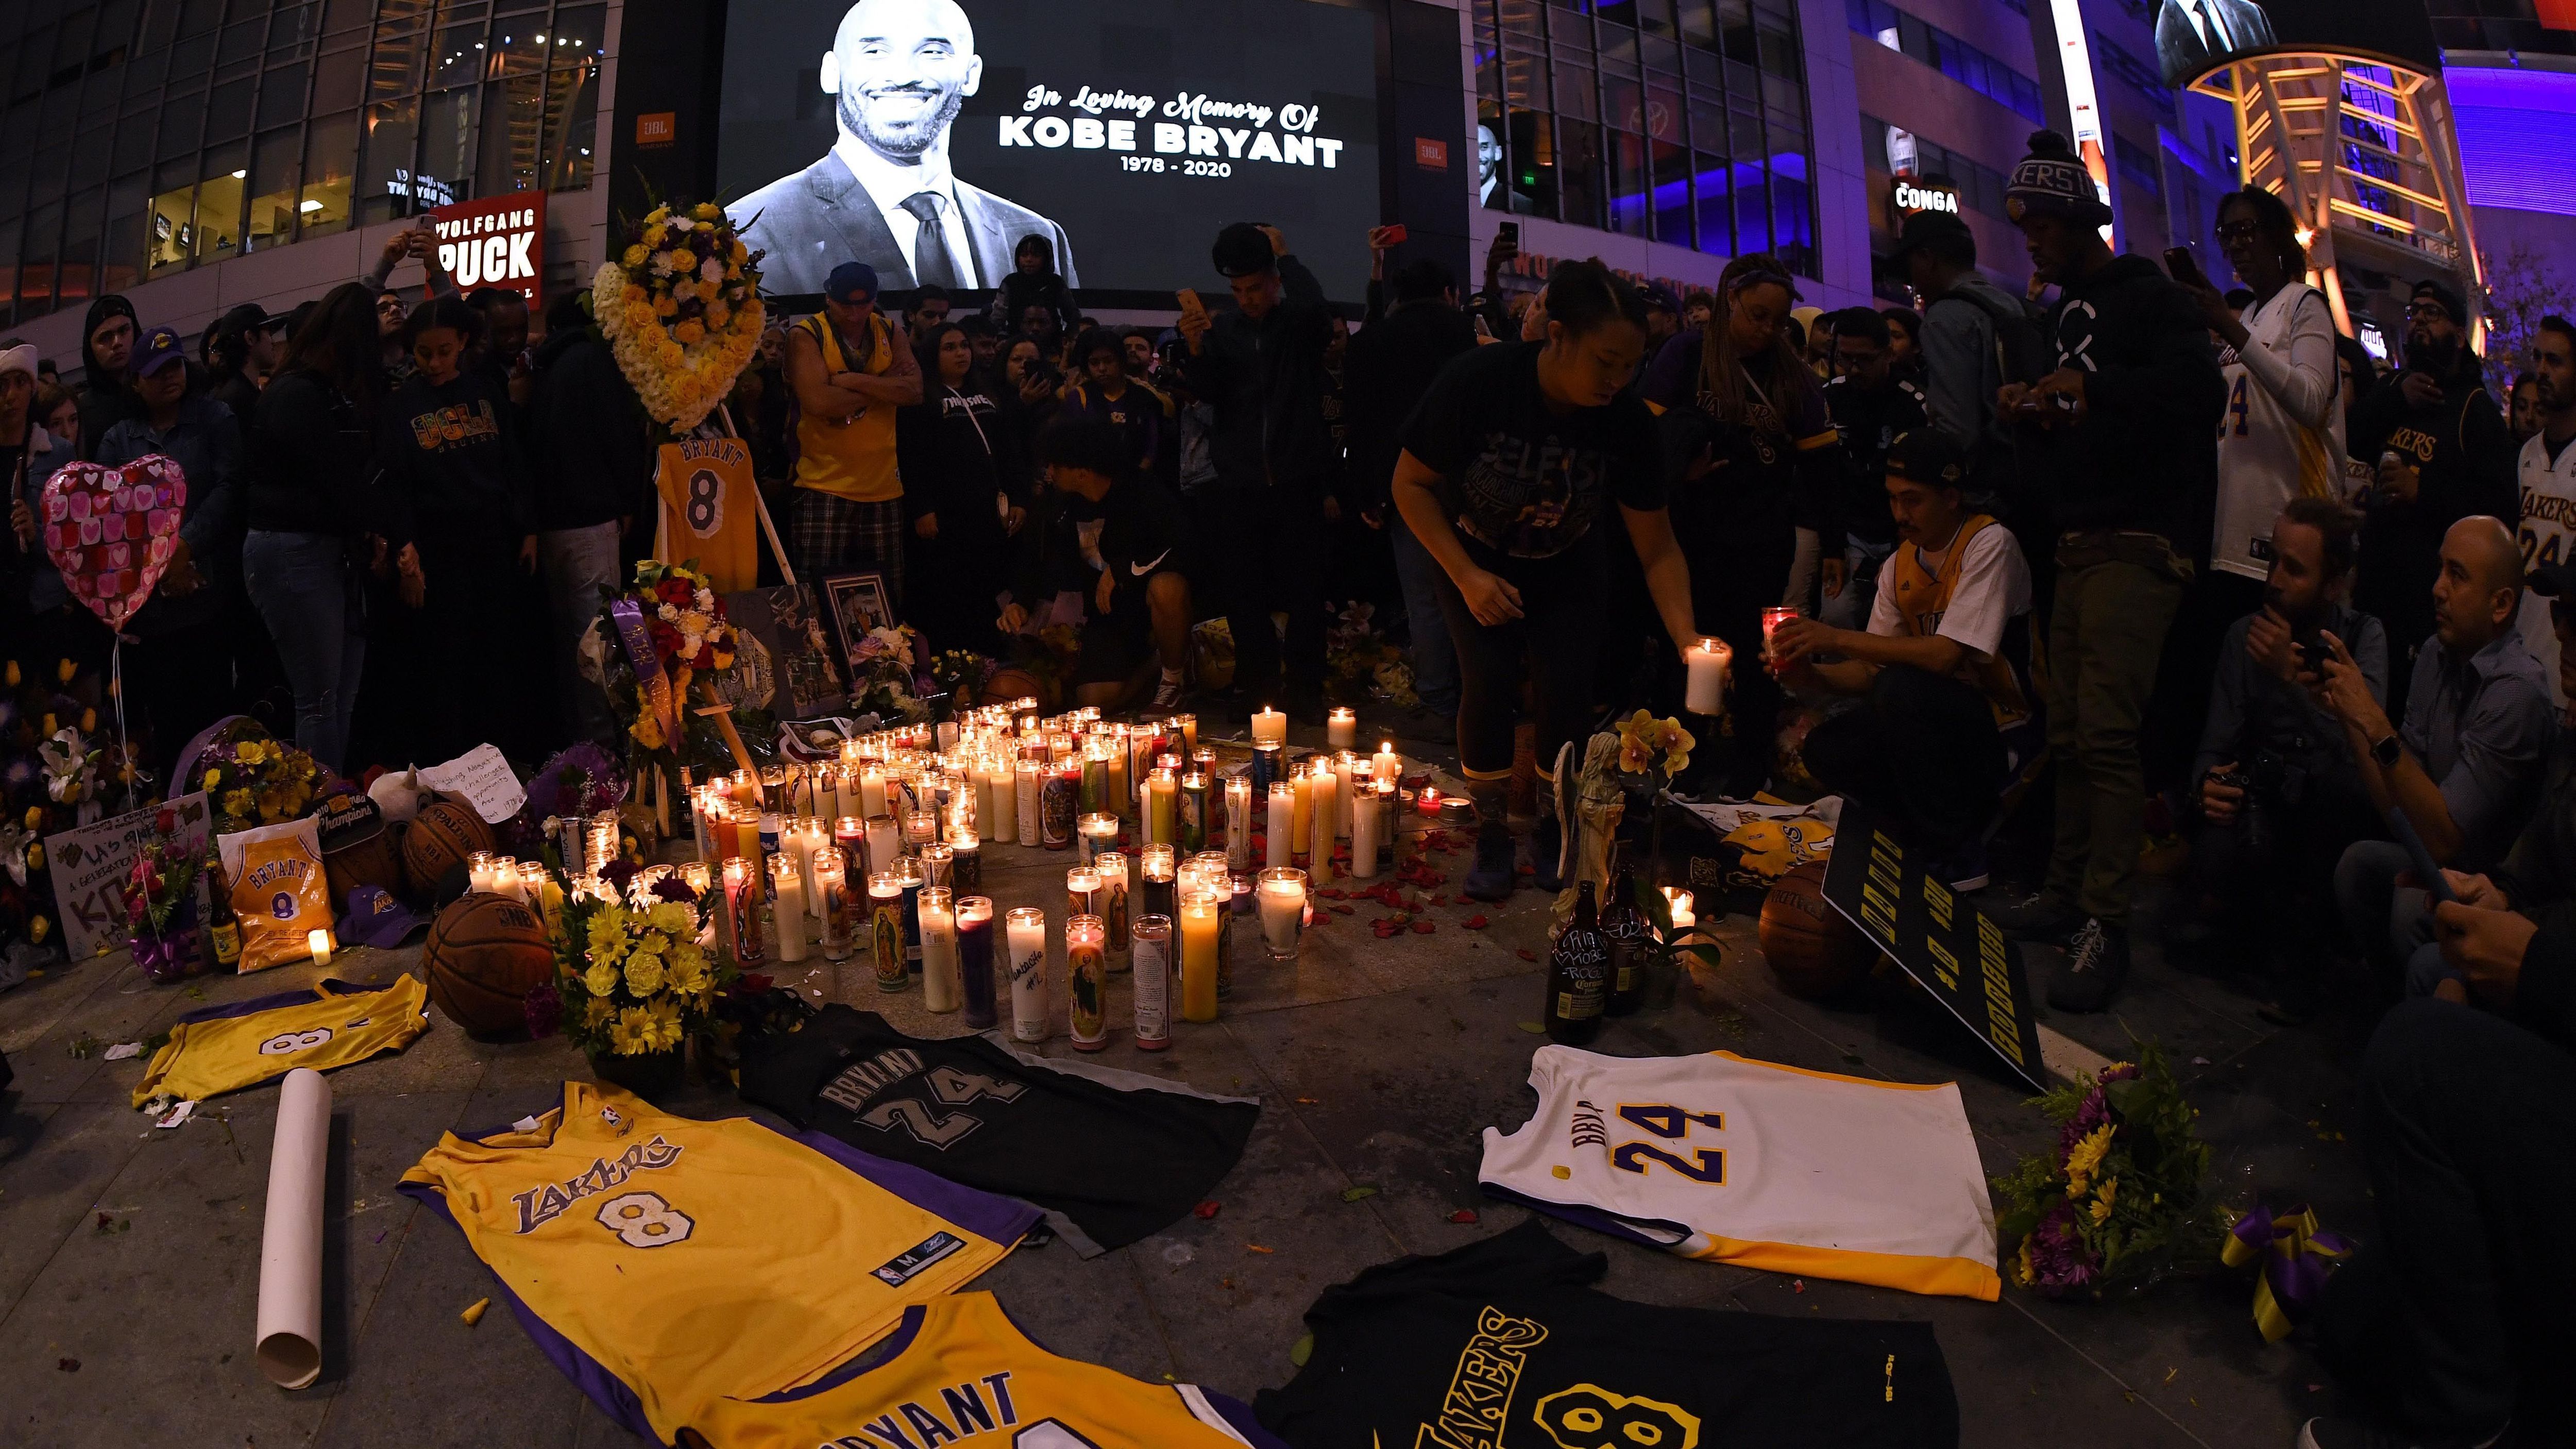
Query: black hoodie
(587, 440)
(2144, 457)
(451, 458)
(104, 401)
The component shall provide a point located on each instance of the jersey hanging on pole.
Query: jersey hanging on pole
(334, 1024)
(962, 1371)
(710, 510)
(1757, 1164)
(1504, 1344)
(1111, 1156)
(664, 1263)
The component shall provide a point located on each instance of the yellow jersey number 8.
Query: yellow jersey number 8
(645, 1220)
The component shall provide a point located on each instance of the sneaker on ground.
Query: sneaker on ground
(2322, 1433)
(1491, 877)
(2097, 965)
(1546, 850)
(2045, 917)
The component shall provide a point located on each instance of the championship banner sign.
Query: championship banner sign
(1948, 946)
(497, 241)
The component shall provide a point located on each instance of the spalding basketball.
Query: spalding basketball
(485, 953)
(1009, 684)
(1813, 951)
(440, 838)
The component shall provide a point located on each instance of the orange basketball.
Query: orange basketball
(1813, 951)
(485, 953)
(1011, 683)
(440, 838)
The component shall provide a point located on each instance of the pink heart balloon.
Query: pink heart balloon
(93, 517)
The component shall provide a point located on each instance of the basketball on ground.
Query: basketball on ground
(484, 955)
(1813, 951)
(441, 836)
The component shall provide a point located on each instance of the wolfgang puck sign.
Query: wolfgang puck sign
(499, 241)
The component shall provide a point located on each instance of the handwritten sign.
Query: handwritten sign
(484, 778)
(1944, 943)
(91, 861)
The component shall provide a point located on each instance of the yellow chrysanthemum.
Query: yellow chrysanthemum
(600, 979)
(672, 918)
(688, 979)
(240, 803)
(214, 781)
(2021, 1273)
(608, 936)
(643, 974)
(689, 334)
(2102, 1199)
(635, 256)
(665, 307)
(2086, 1159)
(628, 1036)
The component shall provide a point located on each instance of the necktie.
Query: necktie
(931, 264)
(2219, 42)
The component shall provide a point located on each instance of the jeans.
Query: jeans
(2456, 1308)
(1921, 747)
(2388, 922)
(310, 599)
(1549, 648)
(577, 564)
(2115, 597)
(1435, 659)
(1861, 563)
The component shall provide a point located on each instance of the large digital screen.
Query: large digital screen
(928, 138)
(2194, 37)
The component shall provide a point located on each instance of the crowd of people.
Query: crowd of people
(2191, 553)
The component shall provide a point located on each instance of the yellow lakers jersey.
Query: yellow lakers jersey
(227, 1048)
(696, 1261)
(710, 511)
(962, 1369)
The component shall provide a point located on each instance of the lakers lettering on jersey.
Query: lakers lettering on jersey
(690, 1261)
(2266, 454)
(2547, 530)
(1747, 1162)
(962, 1370)
(226, 1048)
(708, 510)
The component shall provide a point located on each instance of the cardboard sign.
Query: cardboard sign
(1944, 943)
(90, 862)
(497, 241)
(484, 778)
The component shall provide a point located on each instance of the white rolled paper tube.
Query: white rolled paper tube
(290, 1250)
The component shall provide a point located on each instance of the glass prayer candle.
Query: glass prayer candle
(939, 865)
(1390, 824)
(908, 871)
(1157, 870)
(920, 827)
(742, 911)
(1162, 807)
(1058, 796)
(478, 872)
(885, 931)
(1099, 834)
(885, 843)
(1152, 986)
(832, 883)
(975, 960)
(1082, 891)
(1341, 729)
(1708, 662)
(1193, 812)
(1364, 832)
(939, 982)
(787, 890)
(1114, 886)
(1301, 813)
(1389, 765)
(850, 837)
(1095, 775)
(318, 942)
(1772, 619)
(1086, 978)
(1265, 768)
(1279, 825)
(1188, 725)
(966, 862)
(1025, 796)
(696, 874)
(872, 789)
(1427, 803)
(1029, 1007)
(1238, 823)
(1200, 919)
(1283, 911)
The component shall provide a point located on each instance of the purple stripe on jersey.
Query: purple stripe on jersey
(994, 1218)
(304, 996)
(605, 1389)
(1588, 1216)
(876, 1355)
(1239, 1414)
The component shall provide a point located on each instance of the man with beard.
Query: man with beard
(2280, 793)
(2440, 452)
(898, 70)
(1872, 407)
(2545, 476)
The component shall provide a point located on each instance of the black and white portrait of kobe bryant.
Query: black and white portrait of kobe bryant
(2190, 34)
(898, 71)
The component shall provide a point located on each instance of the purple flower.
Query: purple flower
(2092, 1114)
(544, 1011)
(617, 873)
(2059, 1261)
(672, 888)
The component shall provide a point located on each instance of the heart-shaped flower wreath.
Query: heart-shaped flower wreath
(681, 309)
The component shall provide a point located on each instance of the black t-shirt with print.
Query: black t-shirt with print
(1523, 480)
(1504, 1343)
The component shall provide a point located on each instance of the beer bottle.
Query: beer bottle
(1625, 928)
(223, 928)
(1577, 976)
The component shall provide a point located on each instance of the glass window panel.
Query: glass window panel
(1780, 52)
(458, 54)
(217, 232)
(514, 117)
(1574, 96)
(394, 68)
(228, 109)
(36, 272)
(71, 41)
(572, 119)
(276, 166)
(330, 175)
(1530, 146)
(1569, 32)
(1522, 18)
(48, 177)
(391, 133)
(1672, 192)
(1793, 233)
(1578, 171)
(340, 16)
(197, 17)
(282, 94)
(122, 261)
(90, 151)
(1708, 126)
(242, 40)
(1664, 114)
(1698, 23)
(1709, 183)
(76, 271)
(448, 148)
(1752, 204)
(191, 59)
(9, 230)
(1631, 202)
(1618, 44)
(580, 30)
(35, 59)
(337, 79)
(1747, 139)
(1623, 103)
(1524, 80)
(142, 75)
(1702, 68)
(57, 115)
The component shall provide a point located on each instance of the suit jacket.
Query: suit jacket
(821, 217)
(2180, 52)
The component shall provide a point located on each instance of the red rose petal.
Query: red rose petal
(1526, 954)
(1425, 928)
(1463, 1215)
(1207, 1210)
(1476, 923)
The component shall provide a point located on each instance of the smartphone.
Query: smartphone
(1510, 235)
(1190, 300)
(2185, 268)
(2427, 874)
(1393, 235)
(1482, 330)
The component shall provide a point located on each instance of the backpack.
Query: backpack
(2022, 351)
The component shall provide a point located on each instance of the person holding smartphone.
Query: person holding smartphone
(1509, 471)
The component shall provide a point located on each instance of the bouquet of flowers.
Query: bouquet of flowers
(681, 310)
(881, 677)
(2119, 1198)
(681, 624)
(578, 782)
(259, 782)
(959, 673)
(632, 980)
(1360, 662)
(162, 879)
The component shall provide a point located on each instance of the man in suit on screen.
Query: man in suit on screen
(2190, 34)
(898, 71)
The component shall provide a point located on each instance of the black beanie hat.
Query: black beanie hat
(1242, 250)
(2052, 181)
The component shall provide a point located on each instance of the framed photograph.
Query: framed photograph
(786, 626)
(857, 603)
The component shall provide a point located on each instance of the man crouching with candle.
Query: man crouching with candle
(1943, 669)
(1115, 538)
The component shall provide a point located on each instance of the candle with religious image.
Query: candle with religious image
(975, 961)
(1097, 833)
(1029, 1007)
(840, 918)
(966, 867)
(1024, 793)
(742, 911)
(1238, 824)
(885, 843)
(1152, 986)
(1082, 891)
(885, 931)
(1114, 885)
(1157, 870)
(1058, 798)
(908, 871)
(1086, 977)
(1193, 812)
(1095, 775)
(1188, 725)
